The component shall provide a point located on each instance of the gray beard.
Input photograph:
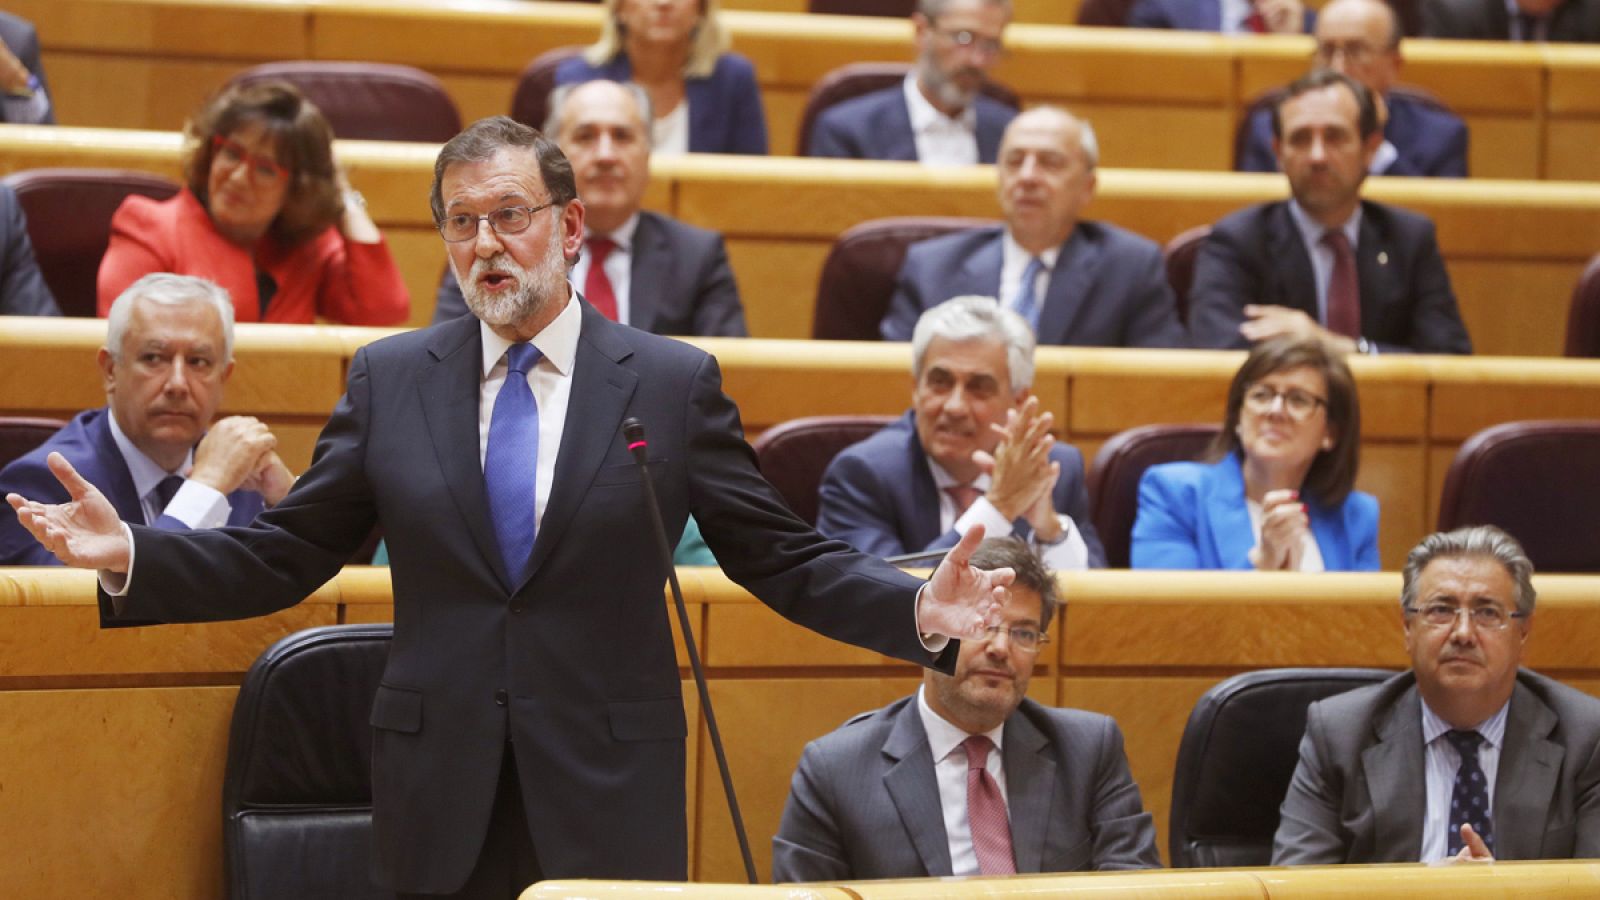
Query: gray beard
(536, 288)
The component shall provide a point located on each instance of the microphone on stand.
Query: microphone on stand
(633, 431)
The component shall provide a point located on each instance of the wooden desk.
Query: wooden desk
(1157, 99)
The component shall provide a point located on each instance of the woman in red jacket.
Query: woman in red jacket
(266, 214)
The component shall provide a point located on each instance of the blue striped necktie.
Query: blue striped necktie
(1027, 305)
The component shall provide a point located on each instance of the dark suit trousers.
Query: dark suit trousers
(507, 864)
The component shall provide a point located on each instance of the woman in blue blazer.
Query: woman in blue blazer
(705, 99)
(1277, 491)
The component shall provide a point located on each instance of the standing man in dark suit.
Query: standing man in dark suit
(938, 115)
(1325, 263)
(686, 284)
(529, 722)
(24, 92)
(1361, 38)
(153, 449)
(967, 776)
(1465, 756)
(1074, 281)
(1534, 21)
(1226, 16)
(974, 449)
(22, 288)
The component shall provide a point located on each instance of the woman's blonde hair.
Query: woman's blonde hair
(707, 42)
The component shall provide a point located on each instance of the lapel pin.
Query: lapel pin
(1383, 257)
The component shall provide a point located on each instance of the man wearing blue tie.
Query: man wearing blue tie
(1074, 281)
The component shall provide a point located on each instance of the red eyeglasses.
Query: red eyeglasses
(260, 168)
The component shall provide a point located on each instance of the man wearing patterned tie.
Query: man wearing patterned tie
(1325, 263)
(153, 447)
(684, 283)
(973, 449)
(967, 777)
(1465, 756)
(1075, 281)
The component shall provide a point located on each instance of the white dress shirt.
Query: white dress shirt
(1440, 765)
(195, 505)
(669, 135)
(941, 140)
(1066, 554)
(1234, 15)
(1013, 263)
(950, 771)
(618, 266)
(1311, 232)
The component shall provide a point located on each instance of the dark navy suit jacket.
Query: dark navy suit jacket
(1187, 15)
(878, 126)
(680, 283)
(1256, 256)
(22, 289)
(1193, 516)
(1489, 20)
(1108, 288)
(879, 496)
(1430, 141)
(725, 114)
(87, 443)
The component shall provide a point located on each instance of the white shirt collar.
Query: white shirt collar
(924, 116)
(943, 737)
(1010, 249)
(1311, 230)
(558, 342)
(1492, 729)
(943, 480)
(146, 472)
(622, 237)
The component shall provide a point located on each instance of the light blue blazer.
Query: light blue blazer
(1192, 516)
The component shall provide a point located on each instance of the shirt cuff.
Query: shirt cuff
(982, 512)
(933, 643)
(115, 584)
(198, 506)
(1068, 552)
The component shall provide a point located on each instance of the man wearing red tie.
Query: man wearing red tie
(1325, 263)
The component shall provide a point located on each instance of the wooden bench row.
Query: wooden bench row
(115, 740)
(1158, 100)
(1416, 411)
(1514, 249)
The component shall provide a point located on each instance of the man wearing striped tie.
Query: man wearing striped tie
(966, 777)
(1465, 757)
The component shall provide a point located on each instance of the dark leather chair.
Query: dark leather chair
(1114, 477)
(530, 104)
(1105, 13)
(369, 101)
(1540, 481)
(21, 434)
(1583, 317)
(297, 791)
(854, 79)
(1238, 752)
(794, 454)
(1180, 255)
(69, 221)
(1265, 100)
(858, 277)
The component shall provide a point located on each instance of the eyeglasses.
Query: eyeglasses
(1488, 617)
(1299, 404)
(972, 40)
(1356, 53)
(1028, 639)
(505, 220)
(231, 153)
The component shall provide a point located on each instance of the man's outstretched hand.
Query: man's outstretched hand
(84, 532)
(960, 601)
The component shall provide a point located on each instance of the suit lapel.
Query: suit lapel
(118, 481)
(1030, 787)
(1067, 292)
(914, 788)
(1396, 783)
(1299, 288)
(899, 141)
(455, 375)
(1332, 542)
(652, 265)
(980, 273)
(1225, 512)
(922, 522)
(601, 388)
(1373, 272)
(1525, 785)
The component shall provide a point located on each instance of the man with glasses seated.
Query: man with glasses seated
(966, 776)
(938, 116)
(1465, 756)
(1361, 39)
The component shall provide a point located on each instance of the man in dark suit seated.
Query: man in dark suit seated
(937, 115)
(973, 449)
(967, 776)
(685, 286)
(1465, 756)
(22, 288)
(1074, 281)
(1530, 21)
(1325, 263)
(153, 448)
(1361, 38)
(1226, 16)
(24, 93)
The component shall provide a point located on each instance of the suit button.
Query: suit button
(500, 697)
(516, 610)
